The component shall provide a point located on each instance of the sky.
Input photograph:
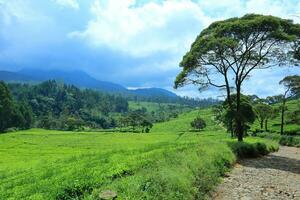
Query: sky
(136, 43)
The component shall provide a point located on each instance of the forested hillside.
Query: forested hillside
(82, 80)
(55, 105)
(59, 106)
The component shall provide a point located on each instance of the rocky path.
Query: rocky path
(272, 177)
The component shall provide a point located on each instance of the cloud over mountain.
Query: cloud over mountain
(134, 43)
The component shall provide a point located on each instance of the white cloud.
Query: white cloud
(68, 3)
(151, 36)
(170, 26)
(142, 30)
(280, 8)
(11, 11)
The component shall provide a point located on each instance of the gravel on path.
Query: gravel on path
(272, 177)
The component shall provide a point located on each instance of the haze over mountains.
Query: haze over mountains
(80, 79)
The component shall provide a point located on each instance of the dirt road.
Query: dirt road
(272, 177)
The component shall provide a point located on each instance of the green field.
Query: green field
(171, 162)
(151, 106)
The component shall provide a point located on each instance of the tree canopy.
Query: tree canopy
(13, 114)
(6, 107)
(247, 114)
(292, 85)
(198, 123)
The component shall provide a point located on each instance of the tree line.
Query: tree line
(12, 113)
(55, 105)
(253, 107)
(185, 100)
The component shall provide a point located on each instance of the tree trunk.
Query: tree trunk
(239, 125)
(261, 124)
(228, 92)
(231, 128)
(282, 116)
(239, 130)
(266, 125)
(229, 104)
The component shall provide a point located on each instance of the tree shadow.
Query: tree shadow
(258, 158)
(273, 162)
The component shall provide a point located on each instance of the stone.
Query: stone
(275, 176)
(108, 195)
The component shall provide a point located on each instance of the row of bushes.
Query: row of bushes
(251, 150)
(290, 140)
(287, 132)
(287, 140)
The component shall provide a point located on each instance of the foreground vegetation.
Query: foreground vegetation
(286, 140)
(170, 163)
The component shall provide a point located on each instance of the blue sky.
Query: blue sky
(134, 43)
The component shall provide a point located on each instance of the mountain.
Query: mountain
(150, 92)
(76, 77)
(82, 80)
(16, 77)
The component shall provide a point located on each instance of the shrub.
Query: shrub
(287, 140)
(246, 150)
(198, 123)
(290, 141)
(12, 129)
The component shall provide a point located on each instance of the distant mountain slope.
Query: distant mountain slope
(149, 92)
(77, 78)
(83, 80)
(15, 77)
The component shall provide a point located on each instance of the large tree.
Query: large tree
(225, 53)
(292, 89)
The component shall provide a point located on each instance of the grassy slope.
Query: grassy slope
(152, 106)
(169, 163)
(148, 105)
(274, 124)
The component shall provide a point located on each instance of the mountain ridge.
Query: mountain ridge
(80, 79)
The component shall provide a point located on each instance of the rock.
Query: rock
(108, 195)
(245, 198)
